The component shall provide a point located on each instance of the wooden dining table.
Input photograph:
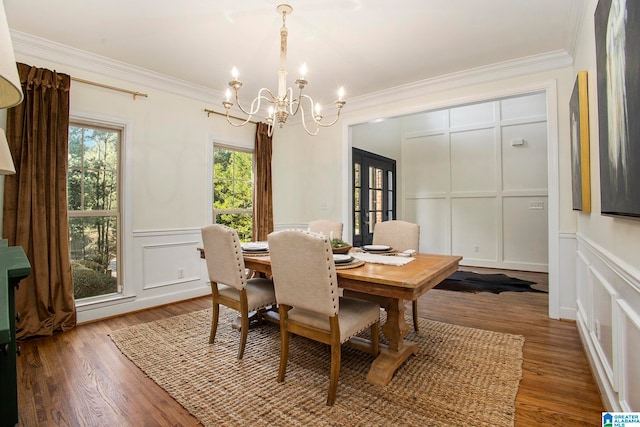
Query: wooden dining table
(389, 286)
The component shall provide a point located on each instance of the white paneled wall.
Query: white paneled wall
(475, 178)
(608, 318)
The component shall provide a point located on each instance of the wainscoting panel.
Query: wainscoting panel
(432, 179)
(473, 236)
(601, 323)
(473, 161)
(433, 216)
(168, 264)
(630, 379)
(520, 246)
(608, 297)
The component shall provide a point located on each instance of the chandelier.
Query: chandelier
(284, 104)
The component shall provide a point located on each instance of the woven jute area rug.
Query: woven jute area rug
(461, 376)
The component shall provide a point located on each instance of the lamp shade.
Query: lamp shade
(10, 88)
(6, 161)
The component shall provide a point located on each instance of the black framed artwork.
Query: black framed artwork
(617, 32)
(580, 169)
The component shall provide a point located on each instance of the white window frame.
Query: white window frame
(234, 147)
(125, 244)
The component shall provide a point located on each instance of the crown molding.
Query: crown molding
(29, 45)
(498, 71)
(576, 18)
(37, 47)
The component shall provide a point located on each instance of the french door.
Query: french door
(374, 193)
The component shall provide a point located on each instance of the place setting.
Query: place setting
(255, 248)
(377, 249)
(343, 261)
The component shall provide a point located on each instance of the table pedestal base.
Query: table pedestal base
(387, 362)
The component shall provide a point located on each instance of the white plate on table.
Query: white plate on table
(342, 258)
(376, 248)
(255, 246)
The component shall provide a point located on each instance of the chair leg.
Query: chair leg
(244, 331)
(336, 350)
(284, 344)
(415, 314)
(215, 312)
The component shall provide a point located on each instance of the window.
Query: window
(94, 209)
(233, 190)
(374, 198)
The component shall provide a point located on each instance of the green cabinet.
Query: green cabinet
(14, 266)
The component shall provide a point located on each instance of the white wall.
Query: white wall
(607, 267)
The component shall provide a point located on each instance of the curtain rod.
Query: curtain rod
(210, 112)
(132, 92)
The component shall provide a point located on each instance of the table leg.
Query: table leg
(398, 350)
(395, 328)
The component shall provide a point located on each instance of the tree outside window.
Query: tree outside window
(93, 203)
(233, 190)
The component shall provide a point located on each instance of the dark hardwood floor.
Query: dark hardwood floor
(79, 378)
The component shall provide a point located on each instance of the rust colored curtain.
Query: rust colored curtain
(263, 200)
(35, 201)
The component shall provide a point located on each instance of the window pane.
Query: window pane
(356, 175)
(74, 193)
(222, 194)
(233, 190)
(243, 195)
(75, 147)
(92, 182)
(92, 185)
(242, 223)
(93, 256)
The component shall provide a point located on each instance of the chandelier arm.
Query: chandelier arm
(304, 121)
(297, 102)
(318, 121)
(237, 124)
(304, 125)
(255, 108)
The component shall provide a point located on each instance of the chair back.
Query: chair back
(304, 273)
(400, 235)
(223, 252)
(326, 227)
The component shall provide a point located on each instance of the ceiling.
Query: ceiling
(364, 45)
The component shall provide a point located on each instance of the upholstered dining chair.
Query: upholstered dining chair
(327, 227)
(304, 277)
(229, 283)
(400, 235)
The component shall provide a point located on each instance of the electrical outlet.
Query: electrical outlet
(181, 273)
(536, 205)
(476, 248)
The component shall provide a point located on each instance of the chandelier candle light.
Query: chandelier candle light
(283, 105)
